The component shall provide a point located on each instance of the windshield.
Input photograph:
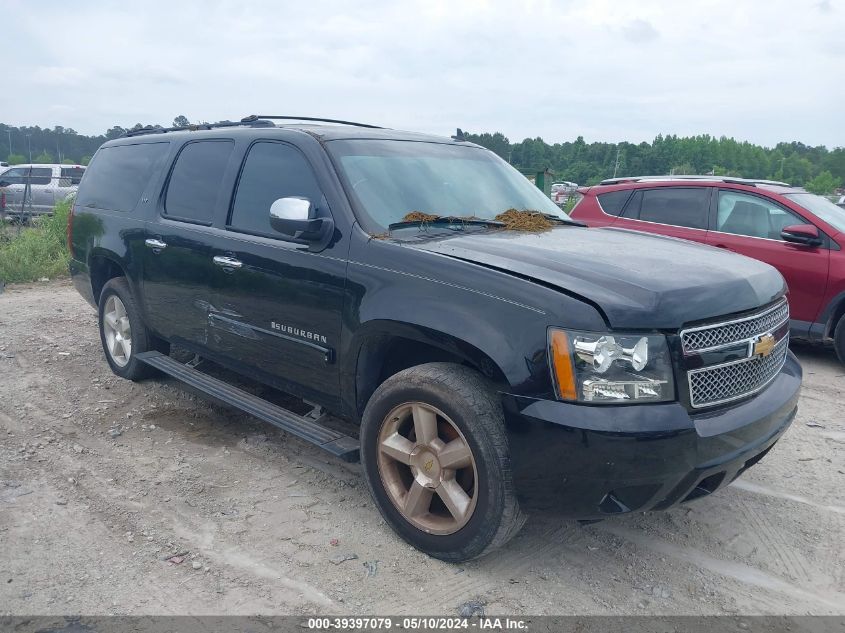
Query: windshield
(390, 179)
(821, 207)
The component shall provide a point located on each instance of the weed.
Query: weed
(36, 251)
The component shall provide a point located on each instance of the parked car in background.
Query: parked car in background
(560, 191)
(799, 233)
(48, 184)
(841, 202)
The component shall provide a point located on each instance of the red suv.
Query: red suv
(799, 233)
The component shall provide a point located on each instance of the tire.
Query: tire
(116, 299)
(410, 479)
(839, 339)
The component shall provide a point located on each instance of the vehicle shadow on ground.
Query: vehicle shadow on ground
(819, 353)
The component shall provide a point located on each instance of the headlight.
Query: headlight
(610, 368)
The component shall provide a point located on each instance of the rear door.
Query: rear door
(750, 225)
(277, 309)
(178, 270)
(675, 211)
(43, 191)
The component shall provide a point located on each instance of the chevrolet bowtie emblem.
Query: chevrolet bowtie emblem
(764, 345)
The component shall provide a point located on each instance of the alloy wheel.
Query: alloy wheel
(427, 468)
(117, 330)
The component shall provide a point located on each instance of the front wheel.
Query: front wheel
(839, 339)
(435, 456)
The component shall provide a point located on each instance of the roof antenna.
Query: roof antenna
(459, 136)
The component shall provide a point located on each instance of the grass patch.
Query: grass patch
(33, 252)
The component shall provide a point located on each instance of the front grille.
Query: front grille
(730, 381)
(721, 334)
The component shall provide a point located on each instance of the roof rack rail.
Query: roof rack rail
(751, 182)
(256, 117)
(196, 126)
(253, 120)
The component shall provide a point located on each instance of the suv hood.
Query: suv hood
(638, 280)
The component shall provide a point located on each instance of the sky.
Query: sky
(758, 70)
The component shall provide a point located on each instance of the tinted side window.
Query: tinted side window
(678, 206)
(71, 176)
(13, 176)
(39, 175)
(613, 202)
(118, 175)
(19, 175)
(271, 171)
(196, 180)
(743, 214)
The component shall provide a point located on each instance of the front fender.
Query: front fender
(495, 320)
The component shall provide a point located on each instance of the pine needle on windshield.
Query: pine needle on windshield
(531, 221)
(419, 216)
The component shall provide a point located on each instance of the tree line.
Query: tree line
(817, 168)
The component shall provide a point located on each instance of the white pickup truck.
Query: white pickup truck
(47, 185)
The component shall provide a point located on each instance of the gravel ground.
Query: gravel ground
(144, 499)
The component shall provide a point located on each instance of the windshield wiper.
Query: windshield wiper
(452, 222)
(567, 220)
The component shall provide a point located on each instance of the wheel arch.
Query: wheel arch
(387, 348)
(831, 314)
(103, 266)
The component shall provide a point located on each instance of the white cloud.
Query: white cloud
(759, 70)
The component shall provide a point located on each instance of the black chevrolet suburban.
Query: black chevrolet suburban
(370, 275)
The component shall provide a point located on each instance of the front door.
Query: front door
(751, 225)
(277, 310)
(178, 266)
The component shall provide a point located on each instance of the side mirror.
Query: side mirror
(806, 234)
(295, 217)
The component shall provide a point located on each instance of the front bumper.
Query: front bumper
(589, 462)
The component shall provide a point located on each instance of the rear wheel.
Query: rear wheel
(435, 456)
(122, 332)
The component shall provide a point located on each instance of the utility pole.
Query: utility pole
(58, 151)
(29, 144)
(783, 158)
(616, 166)
(10, 142)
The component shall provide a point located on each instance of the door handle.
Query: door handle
(227, 262)
(156, 245)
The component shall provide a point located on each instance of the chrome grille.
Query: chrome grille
(720, 334)
(730, 381)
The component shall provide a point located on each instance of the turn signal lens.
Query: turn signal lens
(564, 370)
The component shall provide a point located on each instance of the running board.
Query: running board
(338, 444)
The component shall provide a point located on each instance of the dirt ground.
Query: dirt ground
(102, 481)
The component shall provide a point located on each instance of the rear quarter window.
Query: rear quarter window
(613, 202)
(119, 174)
(71, 176)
